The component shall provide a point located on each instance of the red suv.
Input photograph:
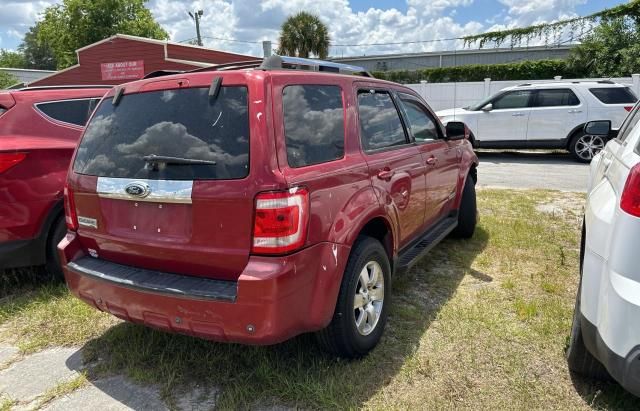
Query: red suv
(39, 130)
(255, 204)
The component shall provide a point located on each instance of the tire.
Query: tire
(584, 147)
(579, 359)
(353, 332)
(56, 234)
(468, 212)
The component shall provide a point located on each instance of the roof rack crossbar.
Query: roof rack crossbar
(229, 66)
(161, 73)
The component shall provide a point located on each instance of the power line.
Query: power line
(396, 42)
(222, 39)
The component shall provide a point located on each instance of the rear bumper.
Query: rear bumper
(276, 297)
(21, 253)
(625, 370)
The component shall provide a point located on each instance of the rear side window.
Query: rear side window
(614, 95)
(70, 111)
(512, 99)
(183, 124)
(556, 97)
(313, 124)
(380, 124)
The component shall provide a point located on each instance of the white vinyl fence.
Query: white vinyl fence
(441, 96)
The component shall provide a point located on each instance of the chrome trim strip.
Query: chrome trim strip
(87, 222)
(36, 106)
(161, 191)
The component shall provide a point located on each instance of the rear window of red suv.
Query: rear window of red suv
(182, 124)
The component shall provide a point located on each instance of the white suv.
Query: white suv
(606, 323)
(545, 115)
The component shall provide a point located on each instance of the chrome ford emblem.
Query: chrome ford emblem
(138, 189)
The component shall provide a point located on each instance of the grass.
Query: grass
(478, 324)
(61, 389)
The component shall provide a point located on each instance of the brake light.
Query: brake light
(630, 201)
(8, 160)
(281, 220)
(70, 216)
(628, 108)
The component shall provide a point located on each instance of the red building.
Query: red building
(122, 58)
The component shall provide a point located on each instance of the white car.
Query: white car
(605, 337)
(545, 115)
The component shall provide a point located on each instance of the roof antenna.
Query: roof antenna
(214, 89)
(271, 62)
(117, 96)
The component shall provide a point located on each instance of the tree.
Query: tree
(303, 34)
(612, 50)
(6, 80)
(38, 54)
(12, 59)
(551, 33)
(74, 24)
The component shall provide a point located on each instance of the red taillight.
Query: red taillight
(628, 108)
(281, 221)
(630, 201)
(8, 160)
(70, 216)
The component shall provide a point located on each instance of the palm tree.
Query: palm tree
(303, 34)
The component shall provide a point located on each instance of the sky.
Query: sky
(354, 25)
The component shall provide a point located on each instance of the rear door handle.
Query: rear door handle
(432, 161)
(385, 174)
(574, 111)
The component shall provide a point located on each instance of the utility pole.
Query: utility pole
(196, 16)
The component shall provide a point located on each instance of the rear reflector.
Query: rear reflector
(630, 202)
(281, 220)
(70, 216)
(8, 160)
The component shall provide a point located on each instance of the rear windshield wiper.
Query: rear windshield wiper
(154, 159)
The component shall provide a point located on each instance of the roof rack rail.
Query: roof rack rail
(286, 62)
(65, 87)
(606, 82)
(524, 84)
(292, 63)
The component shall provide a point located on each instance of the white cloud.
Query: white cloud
(260, 20)
(527, 12)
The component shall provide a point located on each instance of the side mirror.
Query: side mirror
(455, 130)
(488, 107)
(598, 128)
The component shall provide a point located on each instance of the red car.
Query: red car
(255, 204)
(39, 129)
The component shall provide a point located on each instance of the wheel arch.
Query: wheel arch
(379, 228)
(573, 133)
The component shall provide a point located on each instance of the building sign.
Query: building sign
(123, 70)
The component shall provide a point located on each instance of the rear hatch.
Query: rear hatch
(161, 181)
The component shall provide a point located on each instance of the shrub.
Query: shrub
(526, 70)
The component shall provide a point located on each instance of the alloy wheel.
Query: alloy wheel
(368, 298)
(588, 146)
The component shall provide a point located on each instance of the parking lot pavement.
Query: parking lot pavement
(531, 169)
(28, 382)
